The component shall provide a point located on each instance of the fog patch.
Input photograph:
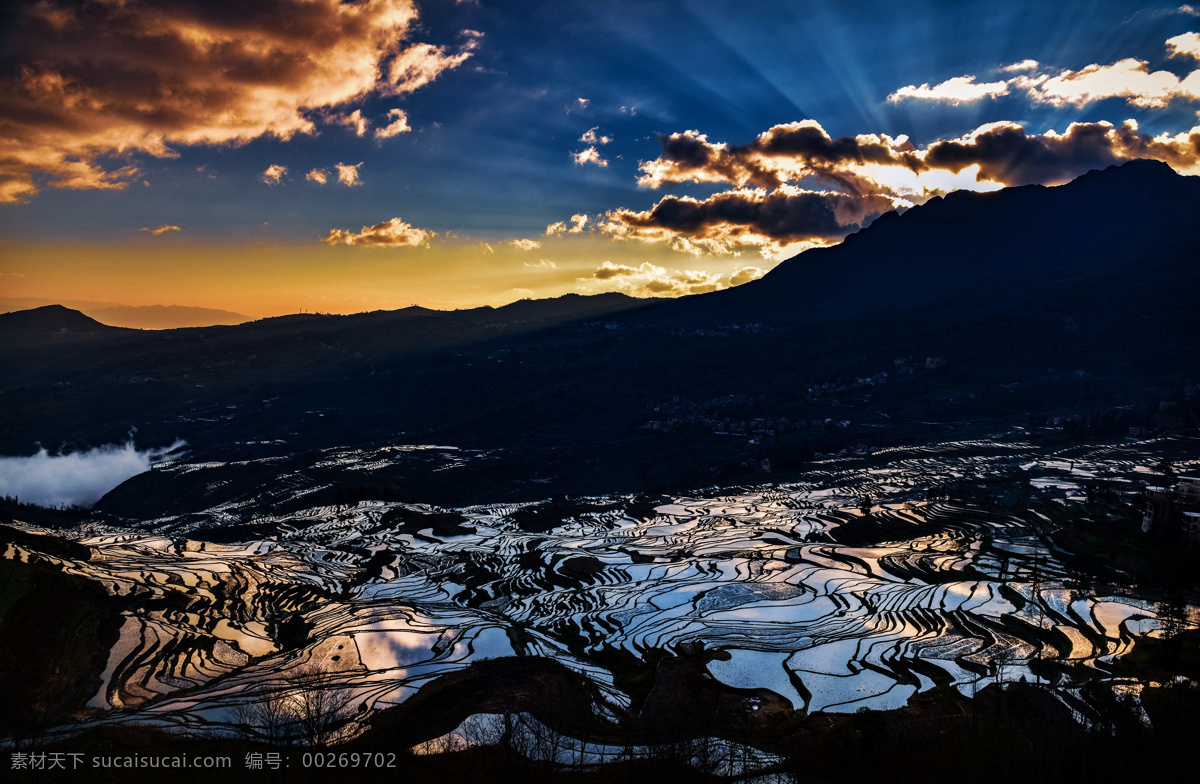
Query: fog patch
(76, 479)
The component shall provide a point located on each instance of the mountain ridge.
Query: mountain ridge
(959, 324)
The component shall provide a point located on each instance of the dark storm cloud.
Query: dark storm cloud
(785, 153)
(1005, 153)
(747, 217)
(870, 174)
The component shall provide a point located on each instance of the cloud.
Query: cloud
(161, 230)
(773, 222)
(274, 174)
(353, 120)
(745, 275)
(419, 65)
(93, 85)
(487, 248)
(878, 164)
(784, 153)
(76, 479)
(522, 293)
(960, 89)
(589, 155)
(541, 264)
(1024, 65)
(591, 137)
(650, 280)
(348, 174)
(773, 207)
(578, 221)
(398, 125)
(1129, 79)
(1186, 45)
(1005, 153)
(608, 270)
(389, 234)
(523, 244)
(319, 176)
(794, 186)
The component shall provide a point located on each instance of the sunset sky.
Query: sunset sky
(341, 157)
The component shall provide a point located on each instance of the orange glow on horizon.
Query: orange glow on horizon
(270, 279)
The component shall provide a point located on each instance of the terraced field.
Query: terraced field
(853, 589)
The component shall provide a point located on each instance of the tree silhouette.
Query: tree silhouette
(309, 709)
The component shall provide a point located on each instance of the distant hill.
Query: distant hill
(52, 321)
(164, 316)
(135, 317)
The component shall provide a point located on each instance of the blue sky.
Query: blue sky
(503, 102)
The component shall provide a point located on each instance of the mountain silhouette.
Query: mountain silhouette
(51, 321)
(993, 248)
(962, 314)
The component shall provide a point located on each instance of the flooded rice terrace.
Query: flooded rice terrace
(855, 588)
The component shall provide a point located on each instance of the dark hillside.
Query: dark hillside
(1013, 307)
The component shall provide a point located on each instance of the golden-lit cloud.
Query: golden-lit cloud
(960, 89)
(274, 174)
(319, 176)
(578, 222)
(651, 280)
(99, 81)
(588, 155)
(420, 64)
(354, 120)
(161, 230)
(397, 126)
(745, 275)
(541, 264)
(348, 173)
(389, 234)
(524, 244)
(1186, 45)
(591, 137)
(1024, 65)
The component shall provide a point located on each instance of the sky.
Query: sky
(313, 155)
